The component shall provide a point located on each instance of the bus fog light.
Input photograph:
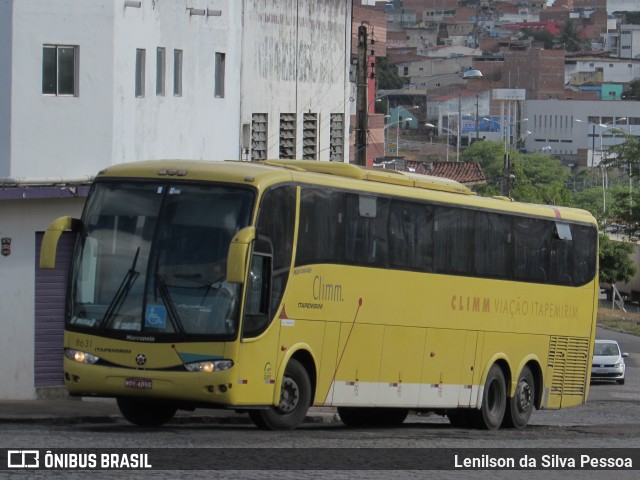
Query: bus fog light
(81, 357)
(209, 366)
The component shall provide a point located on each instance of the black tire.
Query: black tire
(462, 418)
(295, 399)
(146, 413)
(620, 382)
(494, 401)
(521, 405)
(372, 417)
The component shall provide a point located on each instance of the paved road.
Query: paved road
(611, 418)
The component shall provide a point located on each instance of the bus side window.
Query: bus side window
(257, 303)
(411, 236)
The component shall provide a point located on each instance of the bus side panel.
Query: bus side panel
(400, 372)
(442, 366)
(467, 369)
(327, 366)
(357, 372)
(307, 332)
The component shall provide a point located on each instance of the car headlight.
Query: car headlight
(619, 364)
(80, 357)
(209, 366)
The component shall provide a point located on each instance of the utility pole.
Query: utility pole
(362, 119)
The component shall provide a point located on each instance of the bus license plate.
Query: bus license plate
(135, 382)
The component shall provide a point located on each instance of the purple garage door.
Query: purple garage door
(50, 294)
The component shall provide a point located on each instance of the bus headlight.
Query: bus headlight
(80, 357)
(209, 366)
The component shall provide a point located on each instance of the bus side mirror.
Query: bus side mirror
(49, 246)
(238, 255)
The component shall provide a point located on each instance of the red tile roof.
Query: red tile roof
(463, 172)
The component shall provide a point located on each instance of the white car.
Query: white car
(608, 361)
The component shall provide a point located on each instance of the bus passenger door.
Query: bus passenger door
(266, 285)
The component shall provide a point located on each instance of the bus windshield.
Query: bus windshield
(152, 260)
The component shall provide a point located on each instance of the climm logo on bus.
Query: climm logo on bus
(514, 307)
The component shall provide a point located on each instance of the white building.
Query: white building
(89, 83)
(566, 127)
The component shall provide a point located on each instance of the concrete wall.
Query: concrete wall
(6, 59)
(553, 124)
(195, 125)
(21, 219)
(290, 67)
(61, 135)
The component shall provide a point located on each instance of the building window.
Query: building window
(287, 135)
(219, 86)
(59, 70)
(177, 73)
(161, 67)
(336, 137)
(310, 136)
(259, 136)
(141, 55)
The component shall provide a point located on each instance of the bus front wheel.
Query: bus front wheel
(295, 399)
(146, 413)
(494, 400)
(520, 406)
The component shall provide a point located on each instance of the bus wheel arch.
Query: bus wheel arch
(294, 396)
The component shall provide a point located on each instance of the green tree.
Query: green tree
(590, 199)
(615, 263)
(571, 39)
(545, 37)
(490, 156)
(388, 78)
(539, 179)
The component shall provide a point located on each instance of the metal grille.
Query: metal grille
(336, 132)
(288, 136)
(259, 136)
(568, 359)
(50, 296)
(310, 136)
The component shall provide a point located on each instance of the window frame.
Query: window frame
(140, 75)
(178, 61)
(46, 70)
(219, 74)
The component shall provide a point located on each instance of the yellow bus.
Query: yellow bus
(270, 287)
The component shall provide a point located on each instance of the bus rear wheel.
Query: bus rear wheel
(146, 413)
(372, 417)
(520, 406)
(494, 400)
(295, 399)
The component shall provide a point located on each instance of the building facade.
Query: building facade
(90, 83)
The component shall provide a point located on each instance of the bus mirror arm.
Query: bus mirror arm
(49, 246)
(238, 255)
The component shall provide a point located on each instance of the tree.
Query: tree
(539, 179)
(632, 90)
(388, 78)
(490, 157)
(615, 263)
(545, 37)
(571, 39)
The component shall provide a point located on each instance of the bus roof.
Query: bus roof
(268, 172)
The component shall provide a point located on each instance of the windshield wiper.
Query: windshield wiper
(123, 290)
(174, 318)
